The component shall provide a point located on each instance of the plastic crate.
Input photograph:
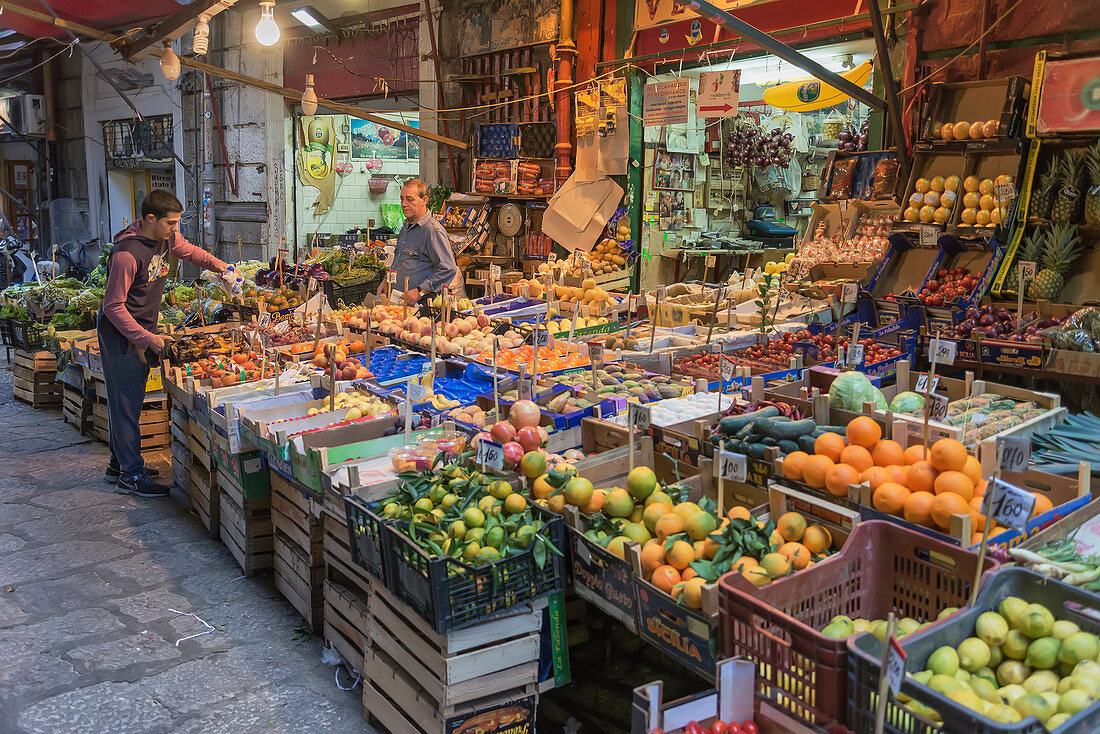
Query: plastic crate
(27, 335)
(537, 139)
(450, 594)
(366, 536)
(497, 140)
(865, 653)
(352, 294)
(7, 337)
(882, 567)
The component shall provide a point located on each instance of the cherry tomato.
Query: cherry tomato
(750, 727)
(694, 727)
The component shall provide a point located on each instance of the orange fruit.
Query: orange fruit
(978, 519)
(680, 555)
(954, 481)
(743, 564)
(899, 472)
(738, 512)
(1042, 504)
(665, 578)
(916, 453)
(813, 473)
(921, 477)
(793, 463)
(796, 553)
(668, 524)
(918, 508)
(652, 513)
(948, 455)
(689, 573)
(693, 592)
(857, 457)
(757, 576)
(776, 538)
(791, 526)
(973, 469)
(863, 431)
(775, 564)
(653, 555)
(890, 498)
(887, 452)
(817, 539)
(829, 444)
(840, 477)
(976, 538)
(945, 505)
(875, 476)
(979, 488)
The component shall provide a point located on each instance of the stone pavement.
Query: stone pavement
(88, 581)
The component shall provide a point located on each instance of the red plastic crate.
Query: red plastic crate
(882, 567)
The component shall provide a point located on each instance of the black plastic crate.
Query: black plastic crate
(865, 656)
(7, 337)
(450, 594)
(27, 335)
(352, 294)
(366, 536)
(537, 139)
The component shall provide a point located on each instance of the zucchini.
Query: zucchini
(731, 424)
(842, 430)
(768, 441)
(743, 431)
(756, 450)
(784, 429)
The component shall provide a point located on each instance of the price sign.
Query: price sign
(1006, 192)
(732, 467)
(540, 338)
(437, 419)
(726, 368)
(895, 666)
(552, 257)
(392, 276)
(855, 354)
(1026, 270)
(1012, 506)
(639, 416)
(416, 392)
(526, 390)
(1015, 453)
(929, 235)
(494, 272)
(944, 352)
(490, 454)
(660, 293)
(311, 285)
(937, 407)
(922, 383)
(711, 261)
(595, 352)
(849, 292)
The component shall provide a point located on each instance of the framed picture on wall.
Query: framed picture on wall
(20, 174)
(371, 140)
(673, 171)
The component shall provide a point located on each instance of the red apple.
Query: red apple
(502, 432)
(529, 438)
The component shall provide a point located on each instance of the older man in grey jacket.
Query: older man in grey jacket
(423, 259)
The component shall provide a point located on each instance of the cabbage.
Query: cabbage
(880, 399)
(909, 403)
(850, 390)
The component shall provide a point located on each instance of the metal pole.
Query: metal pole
(787, 53)
(892, 95)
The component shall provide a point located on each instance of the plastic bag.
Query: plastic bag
(886, 178)
(840, 184)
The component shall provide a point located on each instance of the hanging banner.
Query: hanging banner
(665, 103)
(655, 12)
(810, 94)
(718, 93)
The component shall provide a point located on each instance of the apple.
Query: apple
(529, 438)
(513, 452)
(502, 432)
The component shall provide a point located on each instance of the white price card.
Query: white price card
(943, 352)
(895, 666)
(732, 467)
(1015, 453)
(540, 337)
(1006, 192)
(311, 285)
(929, 236)
(1026, 270)
(922, 383)
(855, 354)
(417, 393)
(1011, 506)
(937, 407)
(437, 419)
(595, 352)
(711, 261)
(849, 292)
(494, 272)
(726, 368)
(526, 389)
(552, 257)
(392, 276)
(490, 454)
(639, 416)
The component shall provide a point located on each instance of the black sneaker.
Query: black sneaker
(113, 473)
(142, 485)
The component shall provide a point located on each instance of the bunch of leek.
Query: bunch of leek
(1062, 448)
(1059, 559)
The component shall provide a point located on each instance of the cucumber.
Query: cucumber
(784, 429)
(806, 443)
(756, 450)
(743, 431)
(842, 430)
(787, 446)
(768, 441)
(731, 424)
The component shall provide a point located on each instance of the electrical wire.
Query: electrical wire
(68, 47)
(27, 45)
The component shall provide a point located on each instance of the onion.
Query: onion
(987, 319)
(991, 332)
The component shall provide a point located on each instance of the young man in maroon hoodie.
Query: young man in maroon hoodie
(137, 270)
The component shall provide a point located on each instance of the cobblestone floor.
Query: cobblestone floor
(89, 579)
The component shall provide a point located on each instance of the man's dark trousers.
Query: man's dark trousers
(125, 373)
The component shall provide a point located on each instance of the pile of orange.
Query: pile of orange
(925, 486)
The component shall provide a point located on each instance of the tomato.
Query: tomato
(719, 727)
(656, 730)
(694, 727)
(750, 727)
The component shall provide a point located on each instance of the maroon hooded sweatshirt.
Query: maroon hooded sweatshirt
(137, 270)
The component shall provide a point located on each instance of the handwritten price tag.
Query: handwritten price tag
(417, 393)
(1015, 453)
(494, 272)
(711, 261)
(944, 352)
(849, 292)
(1026, 270)
(552, 257)
(726, 368)
(595, 352)
(639, 416)
(526, 390)
(1006, 192)
(732, 467)
(1012, 506)
(922, 383)
(490, 454)
(937, 407)
(437, 419)
(540, 338)
(895, 666)
(392, 277)
(929, 235)
(855, 354)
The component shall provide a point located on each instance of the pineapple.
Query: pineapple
(1044, 191)
(1029, 253)
(1092, 198)
(1058, 255)
(1069, 199)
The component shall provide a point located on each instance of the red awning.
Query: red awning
(110, 16)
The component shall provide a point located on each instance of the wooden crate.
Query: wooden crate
(246, 525)
(199, 443)
(337, 552)
(415, 679)
(75, 408)
(34, 379)
(345, 622)
(206, 498)
(299, 556)
(181, 464)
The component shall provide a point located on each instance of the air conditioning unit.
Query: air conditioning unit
(26, 113)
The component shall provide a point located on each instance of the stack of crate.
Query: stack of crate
(181, 446)
(76, 408)
(154, 422)
(205, 496)
(34, 379)
(346, 588)
(244, 490)
(299, 563)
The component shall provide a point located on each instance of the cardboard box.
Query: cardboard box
(981, 257)
(1003, 100)
(927, 164)
(905, 269)
(990, 161)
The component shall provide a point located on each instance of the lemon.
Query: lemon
(973, 654)
(944, 661)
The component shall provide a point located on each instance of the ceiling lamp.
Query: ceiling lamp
(267, 30)
(314, 20)
(169, 63)
(309, 98)
(201, 42)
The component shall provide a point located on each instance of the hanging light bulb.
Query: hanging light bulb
(201, 43)
(267, 30)
(169, 63)
(309, 98)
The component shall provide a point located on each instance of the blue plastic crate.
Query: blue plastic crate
(498, 140)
